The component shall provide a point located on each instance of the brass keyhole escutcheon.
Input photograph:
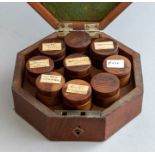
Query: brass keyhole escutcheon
(78, 131)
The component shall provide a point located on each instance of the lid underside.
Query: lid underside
(79, 13)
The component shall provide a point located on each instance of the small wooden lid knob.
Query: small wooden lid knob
(38, 65)
(103, 47)
(77, 39)
(77, 65)
(105, 84)
(54, 47)
(76, 92)
(49, 83)
(117, 65)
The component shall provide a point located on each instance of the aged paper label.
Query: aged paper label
(115, 63)
(77, 61)
(51, 46)
(77, 89)
(50, 78)
(104, 45)
(39, 63)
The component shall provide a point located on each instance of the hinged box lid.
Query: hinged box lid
(87, 16)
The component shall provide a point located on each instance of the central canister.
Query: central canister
(77, 66)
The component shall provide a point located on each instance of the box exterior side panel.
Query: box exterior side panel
(91, 129)
(122, 115)
(60, 128)
(36, 118)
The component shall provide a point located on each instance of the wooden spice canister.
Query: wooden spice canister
(54, 48)
(106, 89)
(49, 87)
(77, 42)
(77, 95)
(101, 48)
(77, 66)
(38, 65)
(119, 66)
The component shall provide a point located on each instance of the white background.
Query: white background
(20, 27)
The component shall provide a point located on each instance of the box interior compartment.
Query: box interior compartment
(32, 90)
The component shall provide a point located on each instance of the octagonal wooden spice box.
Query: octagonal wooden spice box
(96, 124)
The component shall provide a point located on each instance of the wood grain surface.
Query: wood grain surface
(76, 99)
(54, 54)
(77, 71)
(50, 92)
(122, 73)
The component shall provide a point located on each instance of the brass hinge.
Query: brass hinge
(92, 29)
(64, 29)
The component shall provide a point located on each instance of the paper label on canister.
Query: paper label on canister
(77, 89)
(104, 45)
(39, 63)
(51, 46)
(115, 63)
(77, 61)
(50, 78)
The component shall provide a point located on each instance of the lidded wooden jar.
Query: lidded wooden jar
(49, 87)
(101, 48)
(106, 89)
(38, 65)
(77, 42)
(54, 48)
(77, 66)
(77, 95)
(119, 66)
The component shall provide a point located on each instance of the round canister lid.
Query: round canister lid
(53, 47)
(105, 84)
(49, 83)
(118, 65)
(39, 64)
(76, 92)
(103, 47)
(77, 65)
(77, 39)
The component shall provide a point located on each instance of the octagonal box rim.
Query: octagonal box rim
(134, 93)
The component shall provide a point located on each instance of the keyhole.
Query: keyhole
(78, 131)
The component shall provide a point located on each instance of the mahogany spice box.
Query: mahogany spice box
(78, 83)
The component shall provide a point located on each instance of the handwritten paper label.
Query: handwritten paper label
(104, 45)
(39, 63)
(77, 61)
(77, 89)
(50, 78)
(51, 46)
(115, 63)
